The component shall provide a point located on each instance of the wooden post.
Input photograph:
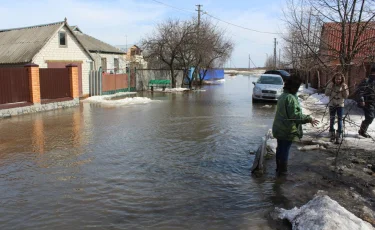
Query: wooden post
(34, 83)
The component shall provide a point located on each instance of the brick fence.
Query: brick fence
(35, 100)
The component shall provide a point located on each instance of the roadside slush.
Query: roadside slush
(342, 171)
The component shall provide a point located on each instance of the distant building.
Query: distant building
(134, 56)
(331, 45)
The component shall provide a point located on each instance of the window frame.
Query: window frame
(65, 38)
(116, 66)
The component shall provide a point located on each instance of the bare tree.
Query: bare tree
(313, 24)
(214, 48)
(163, 45)
(182, 44)
(269, 64)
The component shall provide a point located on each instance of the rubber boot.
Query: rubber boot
(338, 137)
(363, 130)
(332, 135)
(283, 169)
(277, 165)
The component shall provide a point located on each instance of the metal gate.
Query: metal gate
(95, 81)
(54, 83)
(14, 85)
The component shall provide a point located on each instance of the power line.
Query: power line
(245, 28)
(229, 23)
(252, 62)
(189, 11)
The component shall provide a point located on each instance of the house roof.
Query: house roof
(94, 45)
(75, 28)
(20, 45)
(331, 35)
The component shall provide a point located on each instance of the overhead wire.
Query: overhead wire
(253, 62)
(242, 27)
(181, 9)
(209, 15)
(216, 18)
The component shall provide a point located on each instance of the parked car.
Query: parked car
(268, 87)
(284, 74)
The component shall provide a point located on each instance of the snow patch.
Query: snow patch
(266, 106)
(107, 100)
(214, 82)
(316, 105)
(322, 213)
(171, 90)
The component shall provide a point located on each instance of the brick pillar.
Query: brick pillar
(34, 84)
(73, 76)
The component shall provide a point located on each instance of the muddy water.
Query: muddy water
(179, 162)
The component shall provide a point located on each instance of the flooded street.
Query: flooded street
(179, 162)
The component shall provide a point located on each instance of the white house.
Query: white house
(49, 46)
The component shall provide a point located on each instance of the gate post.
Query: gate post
(34, 83)
(73, 78)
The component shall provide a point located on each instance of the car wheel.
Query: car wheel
(255, 100)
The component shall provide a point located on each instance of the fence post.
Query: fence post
(34, 83)
(73, 77)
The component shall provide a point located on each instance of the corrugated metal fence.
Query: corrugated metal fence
(14, 85)
(54, 83)
(111, 83)
(95, 80)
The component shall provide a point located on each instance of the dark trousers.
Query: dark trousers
(369, 115)
(282, 150)
(332, 114)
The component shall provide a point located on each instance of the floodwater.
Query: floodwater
(179, 162)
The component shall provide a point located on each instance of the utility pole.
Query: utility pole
(198, 25)
(274, 55)
(126, 43)
(279, 59)
(199, 14)
(249, 61)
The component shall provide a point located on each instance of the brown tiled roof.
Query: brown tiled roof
(331, 38)
(20, 45)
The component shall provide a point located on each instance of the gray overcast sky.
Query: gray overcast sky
(118, 21)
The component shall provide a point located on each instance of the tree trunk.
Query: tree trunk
(173, 78)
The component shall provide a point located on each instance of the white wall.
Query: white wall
(110, 60)
(73, 52)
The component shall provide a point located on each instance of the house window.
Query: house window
(104, 64)
(116, 64)
(62, 39)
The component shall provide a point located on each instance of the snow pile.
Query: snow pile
(323, 213)
(214, 82)
(108, 97)
(170, 90)
(106, 100)
(320, 99)
(272, 144)
(316, 105)
(308, 90)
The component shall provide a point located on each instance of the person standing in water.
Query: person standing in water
(287, 125)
